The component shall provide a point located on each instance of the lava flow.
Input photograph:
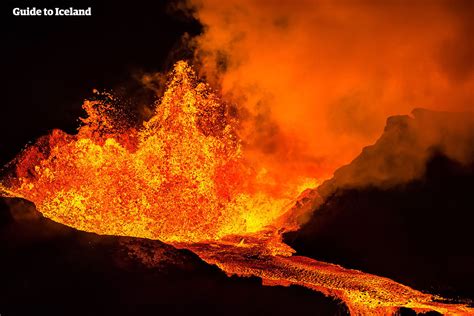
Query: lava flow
(363, 293)
(183, 178)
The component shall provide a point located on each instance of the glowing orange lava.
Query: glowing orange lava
(181, 177)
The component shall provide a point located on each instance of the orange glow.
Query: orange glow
(181, 177)
(315, 80)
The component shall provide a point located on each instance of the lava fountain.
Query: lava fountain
(182, 176)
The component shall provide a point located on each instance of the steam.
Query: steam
(315, 81)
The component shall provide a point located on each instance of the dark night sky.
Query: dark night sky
(51, 64)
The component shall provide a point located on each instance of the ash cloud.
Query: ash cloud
(315, 81)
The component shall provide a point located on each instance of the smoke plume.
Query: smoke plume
(314, 81)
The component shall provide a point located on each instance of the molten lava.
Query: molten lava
(181, 177)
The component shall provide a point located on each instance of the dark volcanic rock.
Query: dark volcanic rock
(414, 227)
(49, 265)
